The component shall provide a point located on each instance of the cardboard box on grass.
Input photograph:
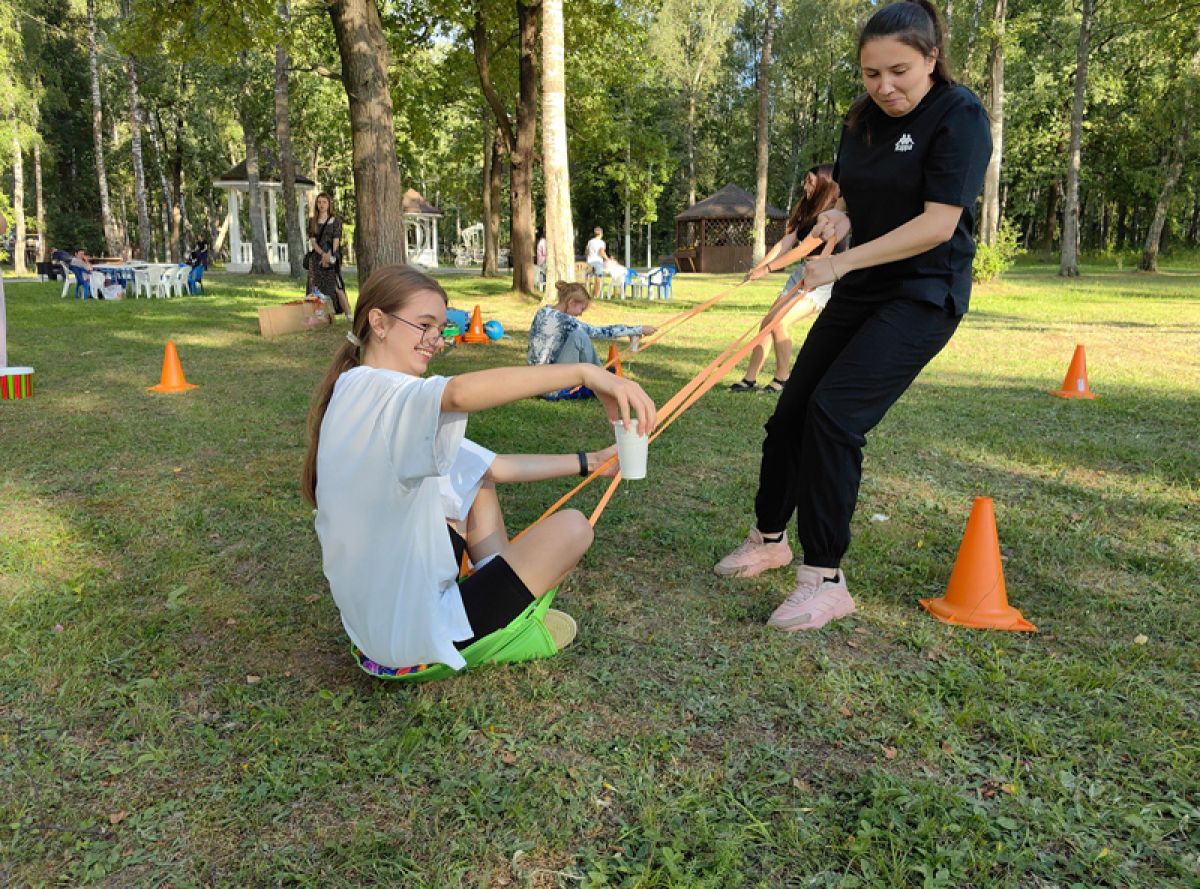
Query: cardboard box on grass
(292, 317)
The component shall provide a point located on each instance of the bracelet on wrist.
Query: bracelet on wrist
(583, 463)
(833, 268)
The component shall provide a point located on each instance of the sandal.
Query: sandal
(743, 386)
(775, 386)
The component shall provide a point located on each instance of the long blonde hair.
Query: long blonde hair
(314, 227)
(389, 289)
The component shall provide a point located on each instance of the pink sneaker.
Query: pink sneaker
(754, 557)
(814, 603)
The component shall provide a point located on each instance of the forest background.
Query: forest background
(117, 115)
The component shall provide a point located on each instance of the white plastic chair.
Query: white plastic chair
(173, 282)
(68, 278)
(153, 281)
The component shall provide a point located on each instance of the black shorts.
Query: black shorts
(493, 596)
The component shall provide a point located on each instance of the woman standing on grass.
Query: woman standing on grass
(820, 193)
(391, 473)
(324, 256)
(910, 166)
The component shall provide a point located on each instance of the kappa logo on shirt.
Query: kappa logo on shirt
(905, 143)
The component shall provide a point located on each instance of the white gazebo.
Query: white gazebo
(236, 183)
(420, 229)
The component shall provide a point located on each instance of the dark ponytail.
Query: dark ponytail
(914, 23)
(388, 289)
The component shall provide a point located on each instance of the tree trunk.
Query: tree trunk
(43, 241)
(177, 210)
(287, 159)
(524, 267)
(379, 213)
(560, 231)
(1149, 260)
(260, 263)
(111, 242)
(491, 199)
(989, 223)
(139, 167)
(1069, 263)
(1051, 218)
(691, 148)
(18, 205)
(762, 138)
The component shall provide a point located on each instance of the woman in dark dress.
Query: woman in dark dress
(910, 165)
(324, 257)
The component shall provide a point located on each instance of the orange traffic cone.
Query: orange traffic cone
(475, 332)
(614, 361)
(1075, 385)
(172, 373)
(975, 596)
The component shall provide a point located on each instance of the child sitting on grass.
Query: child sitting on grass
(391, 474)
(558, 336)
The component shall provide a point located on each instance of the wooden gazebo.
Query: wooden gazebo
(717, 233)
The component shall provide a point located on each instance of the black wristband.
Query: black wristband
(769, 269)
(583, 463)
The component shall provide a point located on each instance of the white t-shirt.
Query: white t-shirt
(391, 469)
(594, 246)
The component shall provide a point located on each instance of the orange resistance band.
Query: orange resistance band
(694, 389)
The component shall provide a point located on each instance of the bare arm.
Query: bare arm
(934, 226)
(482, 389)
(538, 467)
(764, 266)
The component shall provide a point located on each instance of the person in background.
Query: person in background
(401, 493)
(558, 336)
(324, 254)
(100, 286)
(820, 193)
(596, 255)
(910, 164)
(539, 255)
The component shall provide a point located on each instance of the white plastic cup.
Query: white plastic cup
(632, 450)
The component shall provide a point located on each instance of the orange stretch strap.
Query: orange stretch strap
(693, 389)
(807, 246)
(724, 367)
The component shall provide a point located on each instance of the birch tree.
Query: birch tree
(111, 241)
(762, 138)
(287, 160)
(989, 223)
(560, 232)
(1069, 258)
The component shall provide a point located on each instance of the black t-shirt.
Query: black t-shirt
(888, 167)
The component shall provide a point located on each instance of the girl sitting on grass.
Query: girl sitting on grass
(558, 336)
(391, 474)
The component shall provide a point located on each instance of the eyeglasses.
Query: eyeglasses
(429, 333)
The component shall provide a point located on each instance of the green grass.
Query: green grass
(197, 720)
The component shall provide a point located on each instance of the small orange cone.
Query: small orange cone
(172, 373)
(1075, 385)
(475, 332)
(614, 361)
(975, 595)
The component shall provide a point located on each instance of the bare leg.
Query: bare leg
(783, 352)
(551, 549)
(757, 355)
(543, 557)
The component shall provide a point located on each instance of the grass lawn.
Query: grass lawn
(178, 706)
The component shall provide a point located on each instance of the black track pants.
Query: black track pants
(858, 359)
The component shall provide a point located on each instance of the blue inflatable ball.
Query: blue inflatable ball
(459, 318)
(494, 329)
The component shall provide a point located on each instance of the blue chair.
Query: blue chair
(659, 279)
(195, 281)
(633, 282)
(83, 285)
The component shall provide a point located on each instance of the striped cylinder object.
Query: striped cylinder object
(16, 382)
